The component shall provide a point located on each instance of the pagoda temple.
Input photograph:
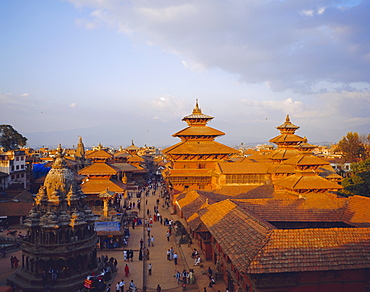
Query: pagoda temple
(287, 142)
(193, 160)
(60, 235)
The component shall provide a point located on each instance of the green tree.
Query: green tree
(10, 139)
(352, 146)
(359, 182)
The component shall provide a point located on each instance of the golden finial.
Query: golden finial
(197, 110)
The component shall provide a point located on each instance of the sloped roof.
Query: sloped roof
(99, 168)
(125, 167)
(257, 247)
(239, 234)
(15, 209)
(357, 212)
(134, 158)
(287, 138)
(299, 181)
(313, 250)
(190, 203)
(102, 154)
(315, 208)
(121, 154)
(199, 147)
(306, 160)
(282, 153)
(281, 168)
(199, 131)
(95, 186)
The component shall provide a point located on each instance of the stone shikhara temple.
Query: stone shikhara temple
(60, 235)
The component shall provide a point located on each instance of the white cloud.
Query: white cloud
(167, 107)
(73, 104)
(261, 41)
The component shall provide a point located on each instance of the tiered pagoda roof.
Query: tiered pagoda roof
(287, 141)
(198, 138)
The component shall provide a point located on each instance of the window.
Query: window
(245, 179)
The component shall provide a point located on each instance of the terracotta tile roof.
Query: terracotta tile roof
(125, 167)
(15, 209)
(135, 158)
(357, 212)
(287, 138)
(313, 208)
(281, 153)
(98, 154)
(257, 158)
(70, 163)
(311, 182)
(282, 169)
(199, 131)
(243, 168)
(132, 147)
(313, 250)
(241, 244)
(308, 160)
(121, 154)
(99, 168)
(25, 197)
(95, 186)
(190, 203)
(199, 147)
(245, 192)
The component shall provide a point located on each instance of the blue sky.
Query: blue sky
(116, 71)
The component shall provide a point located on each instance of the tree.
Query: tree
(10, 139)
(353, 147)
(359, 182)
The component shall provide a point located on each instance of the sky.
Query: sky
(117, 71)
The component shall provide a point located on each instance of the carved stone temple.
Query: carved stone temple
(60, 239)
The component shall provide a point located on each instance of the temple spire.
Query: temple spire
(197, 110)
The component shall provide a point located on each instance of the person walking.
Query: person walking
(159, 288)
(168, 234)
(175, 256)
(178, 277)
(127, 271)
(150, 269)
(118, 288)
(152, 240)
(122, 285)
(12, 262)
(168, 254)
